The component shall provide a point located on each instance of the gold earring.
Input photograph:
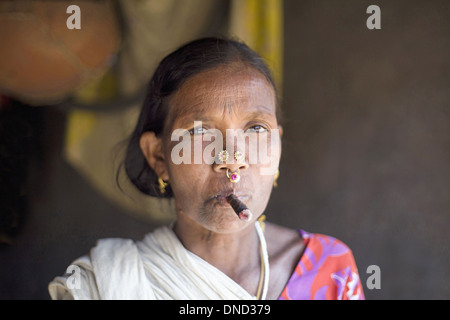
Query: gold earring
(162, 185)
(275, 179)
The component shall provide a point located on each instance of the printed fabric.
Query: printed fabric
(326, 271)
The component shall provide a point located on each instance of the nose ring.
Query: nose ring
(233, 176)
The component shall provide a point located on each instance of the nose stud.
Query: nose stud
(239, 156)
(222, 156)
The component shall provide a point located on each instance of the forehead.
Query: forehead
(223, 89)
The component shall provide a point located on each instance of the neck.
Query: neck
(235, 254)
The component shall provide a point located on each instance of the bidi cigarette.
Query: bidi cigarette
(240, 208)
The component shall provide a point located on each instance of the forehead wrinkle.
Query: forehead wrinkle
(219, 91)
(203, 98)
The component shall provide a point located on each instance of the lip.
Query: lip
(221, 197)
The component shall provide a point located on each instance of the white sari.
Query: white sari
(156, 268)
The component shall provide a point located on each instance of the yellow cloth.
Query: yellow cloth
(259, 23)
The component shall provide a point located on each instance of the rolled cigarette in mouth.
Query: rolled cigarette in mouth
(239, 207)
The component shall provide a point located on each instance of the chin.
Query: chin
(226, 222)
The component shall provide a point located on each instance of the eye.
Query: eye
(257, 129)
(198, 130)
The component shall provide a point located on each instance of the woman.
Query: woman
(211, 92)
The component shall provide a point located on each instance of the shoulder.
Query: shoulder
(81, 278)
(327, 254)
(310, 246)
(326, 270)
(77, 283)
(326, 244)
(281, 239)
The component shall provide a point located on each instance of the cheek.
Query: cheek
(186, 181)
(268, 154)
(261, 188)
(186, 178)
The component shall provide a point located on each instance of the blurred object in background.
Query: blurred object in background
(41, 60)
(21, 146)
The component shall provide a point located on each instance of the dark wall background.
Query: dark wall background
(367, 137)
(366, 154)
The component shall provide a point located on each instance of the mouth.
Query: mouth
(221, 197)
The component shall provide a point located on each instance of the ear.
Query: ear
(280, 128)
(151, 147)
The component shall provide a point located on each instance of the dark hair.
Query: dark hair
(187, 61)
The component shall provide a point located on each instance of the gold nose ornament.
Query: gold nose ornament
(223, 156)
(233, 176)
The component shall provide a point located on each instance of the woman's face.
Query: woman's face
(232, 97)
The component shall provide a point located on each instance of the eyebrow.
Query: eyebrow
(263, 110)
